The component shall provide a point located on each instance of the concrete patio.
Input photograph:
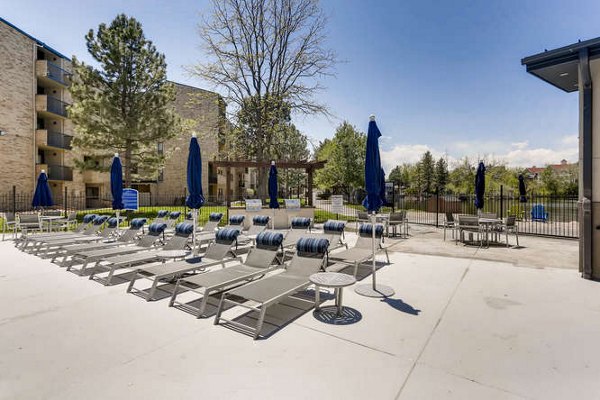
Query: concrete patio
(459, 327)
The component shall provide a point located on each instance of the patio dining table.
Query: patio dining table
(487, 226)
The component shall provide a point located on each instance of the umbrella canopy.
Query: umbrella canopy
(195, 197)
(273, 187)
(116, 183)
(373, 200)
(382, 189)
(479, 185)
(522, 190)
(42, 196)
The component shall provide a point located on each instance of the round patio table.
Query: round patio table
(335, 280)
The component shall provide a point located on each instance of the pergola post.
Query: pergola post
(227, 187)
(309, 171)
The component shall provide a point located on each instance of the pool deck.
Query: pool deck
(458, 327)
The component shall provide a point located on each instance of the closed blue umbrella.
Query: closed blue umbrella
(522, 190)
(116, 186)
(382, 189)
(42, 196)
(195, 198)
(374, 180)
(479, 185)
(373, 169)
(273, 203)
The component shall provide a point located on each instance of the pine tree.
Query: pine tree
(441, 175)
(426, 173)
(124, 105)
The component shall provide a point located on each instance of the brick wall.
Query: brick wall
(17, 104)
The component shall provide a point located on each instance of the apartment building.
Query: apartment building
(36, 133)
(34, 96)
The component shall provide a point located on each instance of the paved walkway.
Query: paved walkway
(457, 328)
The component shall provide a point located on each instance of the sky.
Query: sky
(444, 76)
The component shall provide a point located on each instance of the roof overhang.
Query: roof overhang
(37, 41)
(559, 67)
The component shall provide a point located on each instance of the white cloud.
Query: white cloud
(518, 154)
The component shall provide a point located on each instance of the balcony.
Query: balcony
(51, 74)
(45, 138)
(50, 106)
(55, 172)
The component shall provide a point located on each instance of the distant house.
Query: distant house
(563, 169)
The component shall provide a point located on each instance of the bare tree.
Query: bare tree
(265, 55)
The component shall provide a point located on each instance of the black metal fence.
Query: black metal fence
(542, 215)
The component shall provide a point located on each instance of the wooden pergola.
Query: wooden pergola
(309, 166)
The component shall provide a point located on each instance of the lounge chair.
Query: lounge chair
(110, 228)
(450, 223)
(127, 236)
(334, 232)
(178, 241)
(259, 224)
(362, 250)
(398, 219)
(88, 221)
(161, 216)
(9, 223)
(216, 254)
(88, 235)
(235, 222)
(538, 213)
(146, 242)
(258, 262)
(308, 259)
(299, 226)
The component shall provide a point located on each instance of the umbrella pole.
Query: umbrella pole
(194, 221)
(373, 289)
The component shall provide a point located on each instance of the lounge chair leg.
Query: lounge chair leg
(203, 304)
(109, 277)
(517, 237)
(355, 269)
(387, 255)
(261, 318)
(152, 289)
(220, 309)
(132, 282)
(174, 295)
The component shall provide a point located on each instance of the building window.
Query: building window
(161, 148)
(161, 176)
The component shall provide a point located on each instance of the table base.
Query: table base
(379, 291)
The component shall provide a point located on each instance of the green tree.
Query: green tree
(291, 145)
(441, 175)
(462, 177)
(550, 181)
(396, 175)
(345, 155)
(125, 104)
(426, 170)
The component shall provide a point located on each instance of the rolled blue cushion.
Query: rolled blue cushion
(89, 218)
(112, 222)
(100, 219)
(184, 228)
(157, 227)
(189, 216)
(227, 236)
(269, 240)
(334, 226)
(366, 230)
(137, 223)
(162, 213)
(236, 219)
(260, 220)
(300, 222)
(312, 246)
(175, 214)
(215, 217)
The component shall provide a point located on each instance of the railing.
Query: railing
(560, 218)
(60, 173)
(60, 140)
(56, 106)
(58, 74)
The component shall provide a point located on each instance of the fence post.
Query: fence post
(14, 199)
(501, 201)
(65, 201)
(437, 208)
